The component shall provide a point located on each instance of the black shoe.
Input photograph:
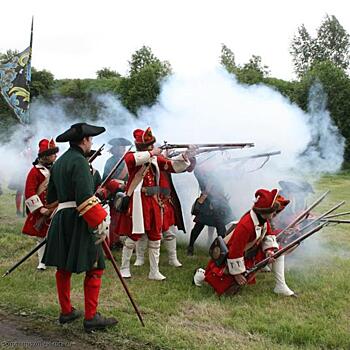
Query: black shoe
(99, 323)
(70, 317)
(190, 251)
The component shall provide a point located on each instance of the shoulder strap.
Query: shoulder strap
(43, 186)
(138, 178)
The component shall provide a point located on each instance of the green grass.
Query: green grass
(180, 316)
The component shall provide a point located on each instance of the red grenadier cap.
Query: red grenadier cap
(265, 202)
(144, 137)
(47, 148)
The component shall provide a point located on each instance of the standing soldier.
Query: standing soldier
(172, 220)
(144, 213)
(212, 208)
(77, 228)
(37, 221)
(118, 148)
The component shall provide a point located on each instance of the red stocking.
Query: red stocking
(92, 285)
(63, 290)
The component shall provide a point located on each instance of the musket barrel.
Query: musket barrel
(337, 215)
(201, 145)
(125, 286)
(95, 155)
(303, 214)
(25, 257)
(285, 249)
(323, 215)
(114, 169)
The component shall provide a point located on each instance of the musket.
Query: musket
(249, 273)
(337, 215)
(201, 145)
(96, 154)
(335, 221)
(260, 155)
(303, 214)
(25, 258)
(314, 221)
(115, 168)
(111, 258)
(200, 151)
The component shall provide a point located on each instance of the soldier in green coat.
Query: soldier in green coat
(77, 228)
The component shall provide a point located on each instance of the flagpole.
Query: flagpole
(29, 69)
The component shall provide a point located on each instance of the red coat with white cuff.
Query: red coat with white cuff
(145, 214)
(35, 194)
(247, 235)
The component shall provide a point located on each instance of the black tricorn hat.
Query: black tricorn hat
(119, 141)
(78, 131)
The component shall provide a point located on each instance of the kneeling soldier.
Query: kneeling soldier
(250, 242)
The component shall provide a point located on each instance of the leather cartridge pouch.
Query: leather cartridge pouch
(218, 251)
(196, 206)
(121, 202)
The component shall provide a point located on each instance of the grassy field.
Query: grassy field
(180, 316)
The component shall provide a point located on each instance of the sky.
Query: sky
(74, 39)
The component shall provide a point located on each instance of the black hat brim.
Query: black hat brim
(48, 152)
(78, 131)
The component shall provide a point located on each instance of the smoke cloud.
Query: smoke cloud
(211, 107)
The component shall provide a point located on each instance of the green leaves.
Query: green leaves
(332, 44)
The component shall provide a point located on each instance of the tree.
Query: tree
(227, 59)
(142, 86)
(42, 83)
(107, 73)
(252, 72)
(332, 44)
(7, 56)
(145, 58)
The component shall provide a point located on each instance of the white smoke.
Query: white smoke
(212, 107)
(326, 150)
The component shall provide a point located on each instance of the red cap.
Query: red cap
(144, 138)
(47, 147)
(265, 202)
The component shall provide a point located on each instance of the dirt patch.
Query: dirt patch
(17, 332)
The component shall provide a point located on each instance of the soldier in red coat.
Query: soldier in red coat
(250, 242)
(144, 214)
(172, 220)
(37, 222)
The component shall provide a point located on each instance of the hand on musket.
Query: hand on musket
(96, 154)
